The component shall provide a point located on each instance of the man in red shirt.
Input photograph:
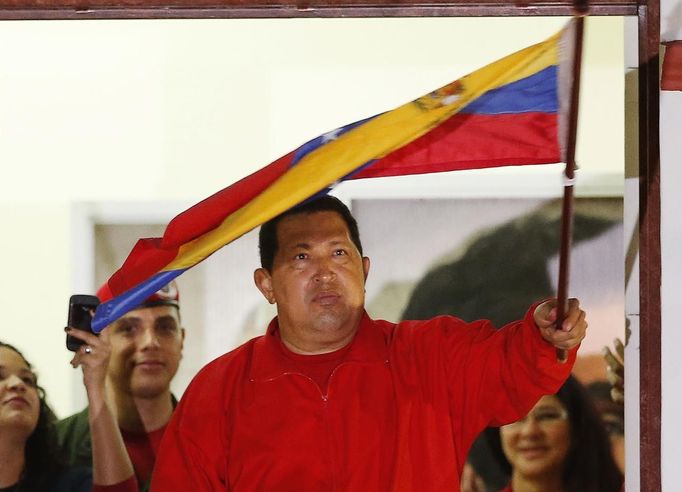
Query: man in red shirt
(332, 400)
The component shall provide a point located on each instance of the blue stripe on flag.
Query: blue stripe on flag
(110, 311)
(317, 142)
(537, 93)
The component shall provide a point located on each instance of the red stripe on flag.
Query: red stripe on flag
(210, 212)
(472, 141)
(146, 258)
(151, 255)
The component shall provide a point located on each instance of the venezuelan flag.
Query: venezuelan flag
(511, 112)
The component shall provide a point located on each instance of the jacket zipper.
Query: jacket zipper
(325, 403)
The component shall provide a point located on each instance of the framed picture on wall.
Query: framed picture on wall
(491, 258)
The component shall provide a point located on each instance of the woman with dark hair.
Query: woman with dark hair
(28, 448)
(560, 446)
(28, 457)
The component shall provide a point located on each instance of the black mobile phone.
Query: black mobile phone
(81, 309)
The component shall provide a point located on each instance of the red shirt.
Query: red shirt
(400, 412)
(317, 367)
(129, 485)
(142, 449)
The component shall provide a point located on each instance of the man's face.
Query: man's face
(146, 348)
(317, 281)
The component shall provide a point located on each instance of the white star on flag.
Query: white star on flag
(332, 135)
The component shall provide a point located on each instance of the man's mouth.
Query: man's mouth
(326, 298)
(150, 364)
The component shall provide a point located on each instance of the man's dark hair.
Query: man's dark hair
(267, 238)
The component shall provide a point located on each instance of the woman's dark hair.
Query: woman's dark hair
(589, 465)
(42, 461)
(267, 237)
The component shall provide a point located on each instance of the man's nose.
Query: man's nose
(324, 271)
(149, 338)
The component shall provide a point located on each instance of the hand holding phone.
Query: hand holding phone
(81, 310)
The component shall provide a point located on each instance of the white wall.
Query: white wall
(671, 286)
(631, 244)
(671, 261)
(130, 111)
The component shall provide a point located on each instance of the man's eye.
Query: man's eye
(125, 328)
(340, 252)
(167, 327)
(301, 256)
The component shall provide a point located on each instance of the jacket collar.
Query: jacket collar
(369, 345)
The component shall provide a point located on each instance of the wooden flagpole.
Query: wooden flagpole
(569, 177)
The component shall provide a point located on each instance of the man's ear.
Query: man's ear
(263, 281)
(182, 341)
(365, 266)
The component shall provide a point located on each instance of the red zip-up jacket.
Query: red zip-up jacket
(400, 412)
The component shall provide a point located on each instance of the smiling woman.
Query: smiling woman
(29, 453)
(27, 446)
(560, 445)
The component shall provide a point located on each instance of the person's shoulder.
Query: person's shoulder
(411, 330)
(74, 425)
(229, 362)
(237, 355)
(438, 322)
(73, 438)
(215, 385)
(441, 328)
(73, 420)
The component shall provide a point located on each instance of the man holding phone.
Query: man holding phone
(140, 354)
